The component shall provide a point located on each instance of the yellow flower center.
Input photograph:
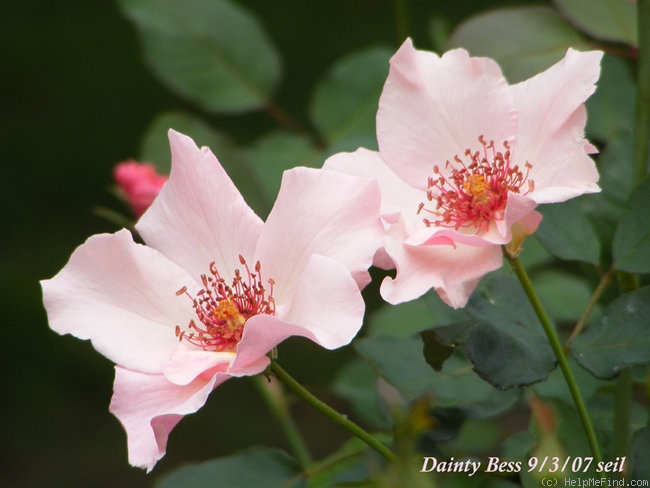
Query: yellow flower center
(227, 312)
(478, 189)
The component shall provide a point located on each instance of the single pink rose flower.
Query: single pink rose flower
(140, 184)
(215, 288)
(464, 159)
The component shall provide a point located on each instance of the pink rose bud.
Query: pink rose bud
(139, 182)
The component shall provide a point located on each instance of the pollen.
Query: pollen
(472, 191)
(222, 310)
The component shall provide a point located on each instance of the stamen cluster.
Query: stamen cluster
(475, 191)
(222, 310)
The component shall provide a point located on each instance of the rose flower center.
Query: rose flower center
(222, 310)
(474, 190)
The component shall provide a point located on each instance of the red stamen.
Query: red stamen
(475, 191)
(223, 310)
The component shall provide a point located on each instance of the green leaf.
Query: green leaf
(440, 312)
(405, 319)
(517, 447)
(523, 40)
(610, 20)
(620, 339)
(214, 53)
(400, 320)
(356, 383)
(500, 334)
(610, 121)
(155, 148)
(564, 295)
(611, 108)
(258, 467)
(345, 102)
(555, 386)
(477, 435)
(277, 152)
(615, 165)
(508, 359)
(640, 455)
(566, 233)
(347, 463)
(401, 363)
(436, 352)
(631, 246)
(506, 343)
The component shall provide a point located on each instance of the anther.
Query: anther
(222, 310)
(475, 190)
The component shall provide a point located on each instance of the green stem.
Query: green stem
(277, 402)
(554, 341)
(595, 297)
(642, 115)
(329, 412)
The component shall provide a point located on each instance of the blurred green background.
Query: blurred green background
(76, 99)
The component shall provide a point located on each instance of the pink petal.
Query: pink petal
(200, 216)
(188, 364)
(551, 126)
(327, 303)
(442, 235)
(453, 269)
(149, 407)
(518, 207)
(121, 295)
(319, 212)
(261, 334)
(433, 108)
(326, 308)
(397, 197)
(570, 171)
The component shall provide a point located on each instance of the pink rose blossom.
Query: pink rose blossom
(140, 184)
(215, 288)
(464, 159)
